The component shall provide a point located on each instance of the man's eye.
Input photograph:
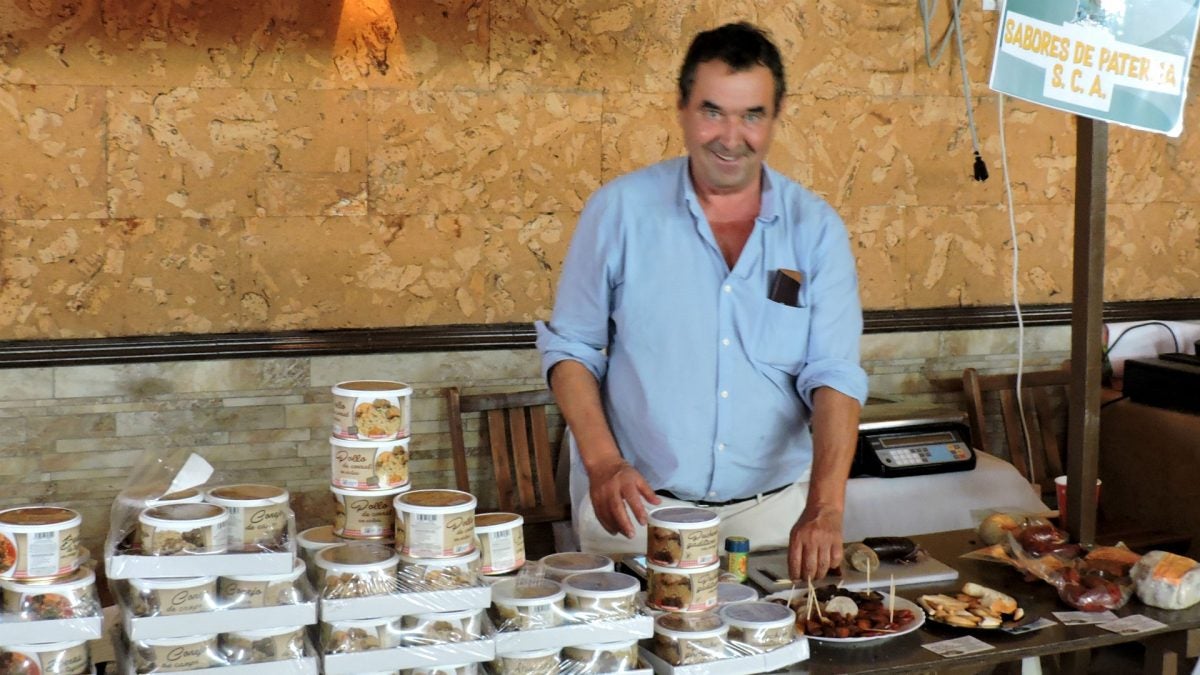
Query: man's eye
(753, 118)
(711, 114)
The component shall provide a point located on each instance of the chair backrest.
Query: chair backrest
(523, 458)
(1042, 393)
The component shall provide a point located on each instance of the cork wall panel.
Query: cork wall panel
(316, 164)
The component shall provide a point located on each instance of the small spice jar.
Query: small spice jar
(601, 595)
(737, 555)
(69, 597)
(685, 639)
(174, 595)
(761, 625)
(258, 515)
(263, 645)
(501, 542)
(173, 529)
(262, 590)
(356, 570)
(523, 604)
(38, 542)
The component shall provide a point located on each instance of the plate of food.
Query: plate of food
(976, 607)
(840, 616)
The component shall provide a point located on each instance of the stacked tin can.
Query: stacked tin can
(43, 576)
(369, 456)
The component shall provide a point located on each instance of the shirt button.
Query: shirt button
(725, 342)
(712, 494)
(728, 288)
(724, 394)
(721, 447)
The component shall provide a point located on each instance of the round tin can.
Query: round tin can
(601, 595)
(523, 604)
(263, 645)
(685, 639)
(258, 515)
(51, 658)
(176, 595)
(360, 635)
(312, 541)
(435, 523)
(372, 410)
(166, 655)
(184, 528)
(676, 589)
(369, 465)
(436, 628)
(356, 570)
(439, 573)
(262, 590)
(559, 566)
(69, 597)
(682, 536)
(501, 539)
(38, 542)
(762, 625)
(365, 514)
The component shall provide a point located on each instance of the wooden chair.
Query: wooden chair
(1043, 396)
(523, 459)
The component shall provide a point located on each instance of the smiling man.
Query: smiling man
(704, 342)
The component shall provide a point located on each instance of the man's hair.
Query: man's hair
(741, 46)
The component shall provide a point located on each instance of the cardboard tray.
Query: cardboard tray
(16, 632)
(399, 658)
(406, 603)
(775, 659)
(636, 628)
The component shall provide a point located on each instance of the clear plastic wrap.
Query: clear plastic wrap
(273, 651)
(66, 608)
(238, 529)
(703, 643)
(70, 657)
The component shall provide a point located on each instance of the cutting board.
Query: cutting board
(765, 568)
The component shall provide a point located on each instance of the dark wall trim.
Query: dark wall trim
(144, 349)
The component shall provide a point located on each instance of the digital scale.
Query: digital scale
(904, 439)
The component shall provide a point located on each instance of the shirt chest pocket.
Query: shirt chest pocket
(782, 338)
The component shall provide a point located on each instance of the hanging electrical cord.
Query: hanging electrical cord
(955, 31)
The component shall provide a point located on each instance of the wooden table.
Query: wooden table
(1166, 648)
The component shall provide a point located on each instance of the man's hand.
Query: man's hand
(612, 487)
(816, 544)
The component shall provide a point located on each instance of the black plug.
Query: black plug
(981, 172)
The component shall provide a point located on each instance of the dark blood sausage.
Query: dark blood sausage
(892, 549)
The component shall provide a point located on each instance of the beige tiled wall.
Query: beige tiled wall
(226, 166)
(72, 435)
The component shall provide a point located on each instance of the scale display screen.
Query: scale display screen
(913, 452)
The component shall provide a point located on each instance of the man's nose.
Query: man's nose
(731, 131)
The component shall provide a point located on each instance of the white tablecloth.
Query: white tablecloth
(946, 501)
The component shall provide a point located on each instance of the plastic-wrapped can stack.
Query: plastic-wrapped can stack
(48, 603)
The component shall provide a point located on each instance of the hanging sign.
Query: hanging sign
(1122, 61)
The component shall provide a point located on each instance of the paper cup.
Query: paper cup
(1060, 488)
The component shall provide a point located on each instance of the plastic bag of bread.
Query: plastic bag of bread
(1167, 580)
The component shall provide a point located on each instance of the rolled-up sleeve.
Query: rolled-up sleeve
(837, 323)
(578, 329)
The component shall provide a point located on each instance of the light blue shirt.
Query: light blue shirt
(706, 382)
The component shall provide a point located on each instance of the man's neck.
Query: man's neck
(729, 204)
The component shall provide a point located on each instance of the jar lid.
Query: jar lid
(601, 584)
(578, 562)
(185, 514)
(737, 544)
(530, 591)
(690, 625)
(757, 615)
(618, 646)
(684, 518)
(260, 633)
(457, 561)
(369, 444)
(468, 613)
(436, 501)
(37, 518)
(247, 495)
(353, 492)
(80, 578)
(171, 582)
(321, 536)
(494, 522)
(729, 593)
(683, 571)
(371, 387)
(357, 556)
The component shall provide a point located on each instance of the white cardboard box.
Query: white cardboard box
(409, 657)
(403, 604)
(15, 632)
(214, 564)
(636, 628)
(219, 621)
(775, 659)
(309, 665)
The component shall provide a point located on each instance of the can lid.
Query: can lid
(737, 544)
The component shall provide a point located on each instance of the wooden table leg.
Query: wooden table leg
(1075, 663)
(1167, 653)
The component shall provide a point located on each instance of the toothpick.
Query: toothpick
(868, 578)
(892, 600)
(813, 592)
(808, 608)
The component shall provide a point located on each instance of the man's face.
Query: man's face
(728, 122)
